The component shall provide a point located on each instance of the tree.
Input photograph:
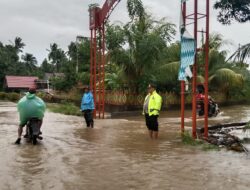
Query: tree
(135, 9)
(137, 46)
(217, 56)
(226, 80)
(9, 59)
(230, 10)
(19, 45)
(241, 55)
(29, 60)
(57, 56)
(224, 76)
(238, 10)
(83, 52)
(167, 77)
(46, 67)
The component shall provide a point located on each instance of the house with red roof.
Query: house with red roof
(23, 83)
(19, 83)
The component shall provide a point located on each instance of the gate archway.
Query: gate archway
(97, 18)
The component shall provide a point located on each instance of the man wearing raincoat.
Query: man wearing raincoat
(151, 110)
(87, 106)
(29, 106)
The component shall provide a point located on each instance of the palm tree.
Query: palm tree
(46, 66)
(145, 38)
(30, 62)
(223, 76)
(225, 80)
(114, 78)
(135, 9)
(167, 76)
(57, 56)
(217, 56)
(19, 44)
(241, 54)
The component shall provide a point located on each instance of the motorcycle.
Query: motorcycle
(213, 108)
(33, 130)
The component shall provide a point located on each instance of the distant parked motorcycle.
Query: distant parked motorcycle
(33, 130)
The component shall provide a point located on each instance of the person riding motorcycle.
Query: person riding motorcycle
(213, 109)
(29, 106)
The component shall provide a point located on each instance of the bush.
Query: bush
(66, 108)
(187, 139)
(13, 96)
(2, 95)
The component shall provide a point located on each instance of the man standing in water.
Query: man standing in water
(151, 110)
(87, 106)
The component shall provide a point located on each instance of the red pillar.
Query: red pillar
(183, 82)
(182, 106)
(206, 71)
(91, 59)
(103, 69)
(194, 70)
(94, 70)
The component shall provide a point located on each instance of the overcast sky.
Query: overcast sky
(42, 22)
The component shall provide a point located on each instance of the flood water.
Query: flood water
(117, 155)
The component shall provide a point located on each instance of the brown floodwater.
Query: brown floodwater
(117, 155)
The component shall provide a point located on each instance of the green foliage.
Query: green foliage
(65, 108)
(59, 83)
(171, 53)
(241, 55)
(14, 97)
(247, 126)
(2, 95)
(208, 147)
(167, 75)
(144, 40)
(187, 139)
(226, 79)
(83, 77)
(115, 77)
(10, 64)
(135, 9)
(57, 57)
(64, 83)
(115, 37)
(30, 62)
(230, 10)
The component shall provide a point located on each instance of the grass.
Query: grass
(247, 126)
(65, 108)
(12, 96)
(187, 139)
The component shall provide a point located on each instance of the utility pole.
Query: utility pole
(78, 40)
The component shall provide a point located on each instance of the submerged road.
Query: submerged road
(116, 155)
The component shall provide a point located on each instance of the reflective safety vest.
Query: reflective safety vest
(154, 104)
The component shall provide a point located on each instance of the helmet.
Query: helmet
(86, 87)
(32, 90)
